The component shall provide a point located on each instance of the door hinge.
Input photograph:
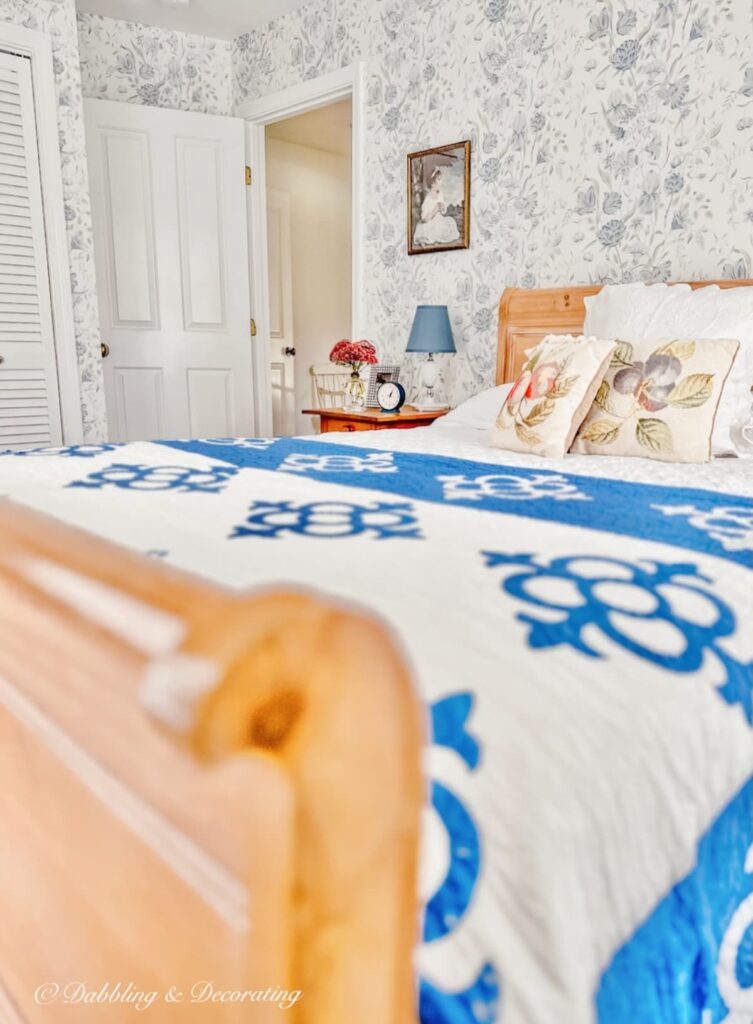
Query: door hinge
(249, 176)
(253, 328)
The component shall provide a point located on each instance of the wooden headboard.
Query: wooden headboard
(526, 316)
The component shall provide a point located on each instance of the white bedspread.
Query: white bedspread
(728, 475)
(605, 751)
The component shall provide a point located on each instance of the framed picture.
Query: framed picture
(439, 199)
(379, 374)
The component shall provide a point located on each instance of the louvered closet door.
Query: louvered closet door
(29, 401)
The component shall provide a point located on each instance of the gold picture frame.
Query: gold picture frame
(439, 199)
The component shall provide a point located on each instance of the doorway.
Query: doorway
(279, 114)
(309, 252)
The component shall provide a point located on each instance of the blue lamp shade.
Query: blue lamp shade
(431, 331)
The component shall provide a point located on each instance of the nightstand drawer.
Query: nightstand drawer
(337, 426)
(343, 421)
(405, 424)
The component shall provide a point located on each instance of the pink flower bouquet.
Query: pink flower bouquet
(353, 353)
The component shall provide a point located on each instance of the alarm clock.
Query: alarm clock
(391, 396)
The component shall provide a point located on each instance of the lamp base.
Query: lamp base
(430, 406)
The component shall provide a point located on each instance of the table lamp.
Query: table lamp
(431, 333)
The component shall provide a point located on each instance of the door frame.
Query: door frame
(282, 199)
(278, 106)
(37, 46)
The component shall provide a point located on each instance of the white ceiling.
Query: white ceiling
(329, 128)
(223, 19)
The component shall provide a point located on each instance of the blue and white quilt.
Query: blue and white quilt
(584, 643)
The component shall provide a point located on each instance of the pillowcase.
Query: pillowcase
(552, 395)
(658, 401)
(479, 411)
(660, 312)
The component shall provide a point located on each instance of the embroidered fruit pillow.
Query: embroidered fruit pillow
(553, 393)
(658, 400)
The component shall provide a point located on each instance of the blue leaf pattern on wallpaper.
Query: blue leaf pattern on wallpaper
(155, 67)
(178, 70)
(611, 142)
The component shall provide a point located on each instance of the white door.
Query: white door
(169, 211)
(29, 394)
(281, 340)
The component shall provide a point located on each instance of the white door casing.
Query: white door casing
(258, 275)
(281, 328)
(169, 213)
(297, 99)
(29, 393)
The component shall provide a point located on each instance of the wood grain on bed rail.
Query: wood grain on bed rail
(528, 315)
(199, 786)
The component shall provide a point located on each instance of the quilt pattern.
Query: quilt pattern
(584, 578)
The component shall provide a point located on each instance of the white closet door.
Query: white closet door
(29, 398)
(169, 213)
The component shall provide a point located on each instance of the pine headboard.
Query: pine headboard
(526, 316)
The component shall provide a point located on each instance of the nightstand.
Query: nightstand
(339, 420)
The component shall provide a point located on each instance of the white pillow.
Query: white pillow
(661, 312)
(480, 411)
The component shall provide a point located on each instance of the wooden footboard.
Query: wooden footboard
(203, 794)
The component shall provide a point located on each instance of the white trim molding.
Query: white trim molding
(319, 92)
(37, 46)
(298, 99)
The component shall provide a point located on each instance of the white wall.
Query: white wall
(319, 184)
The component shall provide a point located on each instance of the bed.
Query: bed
(390, 728)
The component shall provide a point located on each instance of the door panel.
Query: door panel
(202, 245)
(281, 332)
(277, 307)
(168, 200)
(139, 401)
(211, 402)
(129, 244)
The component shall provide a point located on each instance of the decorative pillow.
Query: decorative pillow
(553, 393)
(658, 311)
(478, 411)
(658, 401)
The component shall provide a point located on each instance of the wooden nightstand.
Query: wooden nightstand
(372, 419)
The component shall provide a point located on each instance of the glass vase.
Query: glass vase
(355, 393)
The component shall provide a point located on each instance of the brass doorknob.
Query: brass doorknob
(105, 350)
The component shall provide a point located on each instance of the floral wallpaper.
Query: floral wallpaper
(172, 70)
(612, 141)
(58, 18)
(133, 63)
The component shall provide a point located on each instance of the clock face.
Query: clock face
(390, 396)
